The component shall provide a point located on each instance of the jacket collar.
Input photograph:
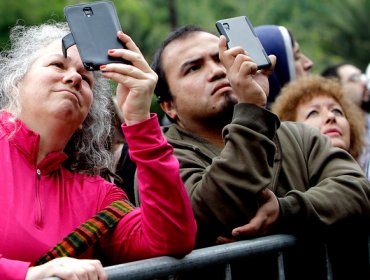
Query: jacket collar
(179, 137)
(27, 143)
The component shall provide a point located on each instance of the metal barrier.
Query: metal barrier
(160, 267)
(199, 258)
(220, 254)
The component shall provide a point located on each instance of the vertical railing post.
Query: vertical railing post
(228, 275)
(281, 267)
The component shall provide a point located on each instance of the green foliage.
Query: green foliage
(348, 36)
(328, 31)
(27, 12)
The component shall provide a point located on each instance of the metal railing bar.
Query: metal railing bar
(199, 258)
(219, 254)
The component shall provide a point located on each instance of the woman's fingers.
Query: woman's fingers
(132, 53)
(68, 268)
(129, 43)
(131, 77)
(136, 81)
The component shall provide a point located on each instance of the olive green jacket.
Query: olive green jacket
(316, 185)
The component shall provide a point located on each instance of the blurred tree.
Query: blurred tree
(348, 33)
(328, 31)
(27, 12)
(172, 12)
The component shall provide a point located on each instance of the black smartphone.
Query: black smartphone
(94, 29)
(239, 31)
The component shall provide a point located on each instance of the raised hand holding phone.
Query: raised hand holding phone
(102, 45)
(136, 81)
(239, 31)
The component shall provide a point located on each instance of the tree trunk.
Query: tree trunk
(172, 13)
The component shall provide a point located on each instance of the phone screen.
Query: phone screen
(240, 32)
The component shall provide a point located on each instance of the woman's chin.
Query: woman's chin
(339, 143)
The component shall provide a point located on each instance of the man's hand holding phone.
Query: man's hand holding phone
(249, 84)
(239, 32)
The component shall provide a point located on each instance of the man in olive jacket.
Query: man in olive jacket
(246, 173)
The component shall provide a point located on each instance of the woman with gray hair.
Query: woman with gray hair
(55, 126)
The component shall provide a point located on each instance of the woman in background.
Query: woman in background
(321, 103)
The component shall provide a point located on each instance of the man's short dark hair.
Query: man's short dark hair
(162, 90)
(332, 70)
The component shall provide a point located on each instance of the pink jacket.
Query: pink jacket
(39, 205)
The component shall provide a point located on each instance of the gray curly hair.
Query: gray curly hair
(89, 148)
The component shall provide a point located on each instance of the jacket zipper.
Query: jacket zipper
(38, 201)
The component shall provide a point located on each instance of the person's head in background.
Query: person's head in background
(354, 82)
(291, 63)
(367, 72)
(321, 103)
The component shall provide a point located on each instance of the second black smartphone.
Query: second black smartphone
(239, 31)
(94, 27)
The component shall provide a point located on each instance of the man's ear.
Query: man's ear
(169, 108)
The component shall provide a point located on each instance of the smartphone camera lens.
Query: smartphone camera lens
(226, 26)
(88, 11)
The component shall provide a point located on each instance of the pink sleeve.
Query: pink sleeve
(164, 224)
(13, 270)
